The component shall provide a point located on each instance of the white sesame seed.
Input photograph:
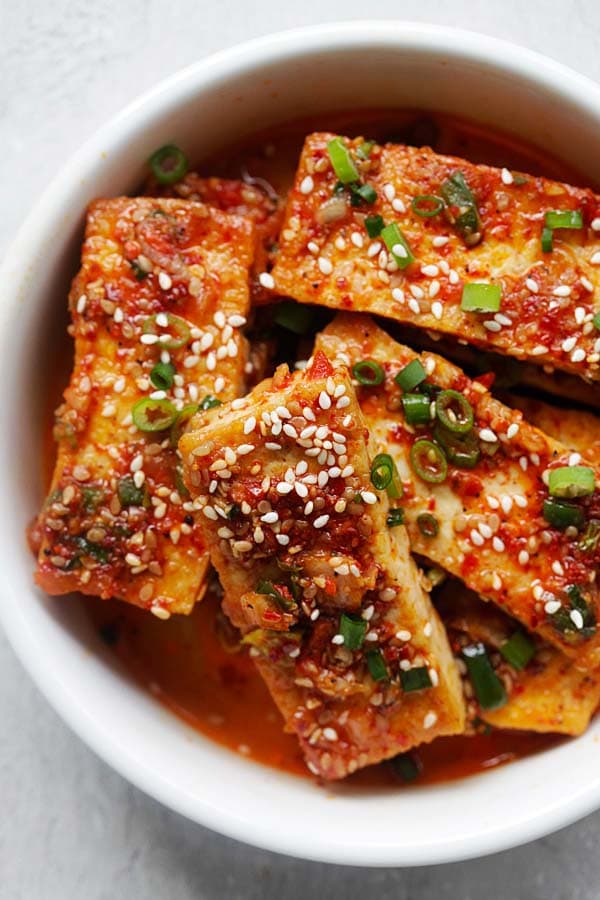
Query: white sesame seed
(427, 630)
(578, 355)
(568, 344)
(321, 521)
(270, 518)
(374, 248)
(476, 538)
(506, 176)
(403, 635)
(512, 430)
(576, 618)
(306, 185)
(539, 350)
(491, 325)
(487, 435)
(434, 289)
(453, 277)
(503, 320)
(398, 205)
(149, 339)
(337, 639)
(506, 504)
(324, 400)
(440, 240)
(557, 567)
(485, 530)
(430, 270)
(389, 191)
(245, 449)
(532, 285)
(552, 606)
(266, 280)
(563, 290)
(398, 295)
(357, 239)
(574, 459)
(210, 513)
(282, 539)
(324, 265)
(430, 720)
(369, 497)
(520, 500)
(81, 303)
(414, 307)
(437, 309)
(523, 558)
(595, 224)
(498, 544)
(580, 315)
(595, 259)
(400, 250)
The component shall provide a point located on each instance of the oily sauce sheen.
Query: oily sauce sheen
(194, 665)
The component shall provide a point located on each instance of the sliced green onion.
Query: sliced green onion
(395, 517)
(462, 451)
(427, 205)
(368, 372)
(428, 461)
(596, 321)
(454, 412)
(128, 492)
(169, 164)
(398, 246)
(162, 375)
(268, 589)
(571, 481)
(591, 537)
(374, 225)
(183, 417)
(518, 650)
(353, 630)
(406, 766)
(481, 298)
(384, 475)
(342, 162)
(364, 150)
(209, 402)
(461, 208)
(416, 679)
(568, 218)
(561, 514)
(376, 665)
(562, 621)
(139, 273)
(554, 219)
(362, 193)
(547, 240)
(294, 317)
(411, 375)
(428, 525)
(153, 415)
(417, 409)
(175, 334)
(488, 688)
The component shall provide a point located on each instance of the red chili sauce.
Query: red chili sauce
(193, 664)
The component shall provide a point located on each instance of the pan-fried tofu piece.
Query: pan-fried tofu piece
(327, 595)
(232, 195)
(157, 310)
(548, 694)
(575, 428)
(494, 523)
(490, 230)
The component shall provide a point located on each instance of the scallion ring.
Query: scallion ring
(398, 246)
(571, 481)
(428, 461)
(162, 376)
(417, 409)
(384, 475)
(428, 525)
(427, 205)
(172, 335)
(169, 164)
(561, 514)
(454, 412)
(411, 375)
(368, 372)
(342, 162)
(153, 415)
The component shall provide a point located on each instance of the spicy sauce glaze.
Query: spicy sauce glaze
(193, 665)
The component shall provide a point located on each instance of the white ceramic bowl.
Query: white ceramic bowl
(361, 65)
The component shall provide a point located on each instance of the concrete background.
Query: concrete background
(70, 827)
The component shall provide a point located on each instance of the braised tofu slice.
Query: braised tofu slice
(575, 428)
(446, 245)
(260, 204)
(531, 685)
(325, 592)
(157, 310)
(487, 496)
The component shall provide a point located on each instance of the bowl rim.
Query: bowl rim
(201, 75)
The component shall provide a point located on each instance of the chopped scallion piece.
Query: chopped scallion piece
(173, 335)
(342, 162)
(270, 590)
(569, 218)
(153, 415)
(364, 150)
(454, 412)
(169, 164)
(488, 688)
(596, 321)
(461, 450)
(417, 409)
(162, 376)
(395, 517)
(461, 208)
(428, 525)
(481, 298)
(209, 402)
(428, 461)
(294, 317)
(384, 475)
(415, 679)
(411, 375)
(518, 650)
(376, 665)
(128, 492)
(397, 245)
(427, 205)
(362, 193)
(547, 240)
(591, 537)
(406, 766)
(374, 225)
(571, 481)
(561, 514)
(368, 372)
(353, 630)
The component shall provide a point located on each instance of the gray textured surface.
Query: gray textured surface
(71, 828)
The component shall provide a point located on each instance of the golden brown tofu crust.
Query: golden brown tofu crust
(117, 519)
(282, 489)
(548, 299)
(492, 530)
